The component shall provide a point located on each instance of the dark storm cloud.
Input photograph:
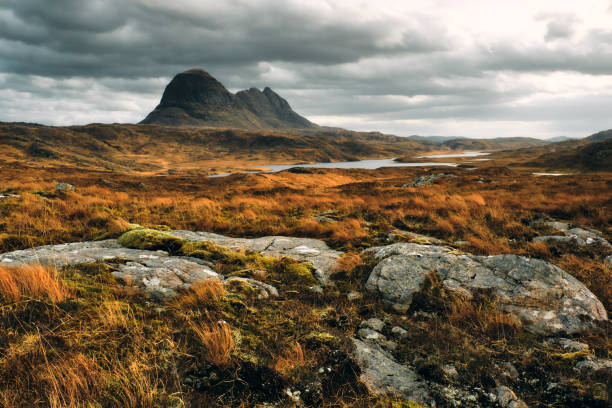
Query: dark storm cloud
(119, 38)
(75, 61)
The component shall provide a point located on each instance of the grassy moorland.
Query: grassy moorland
(78, 337)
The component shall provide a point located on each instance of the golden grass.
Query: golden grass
(291, 359)
(202, 293)
(217, 340)
(31, 281)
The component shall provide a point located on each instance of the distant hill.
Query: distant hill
(558, 139)
(156, 149)
(600, 136)
(195, 98)
(500, 143)
(593, 153)
(435, 139)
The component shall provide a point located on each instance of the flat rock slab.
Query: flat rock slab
(382, 375)
(315, 251)
(578, 236)
(545, 298)
(156, 272)
(162, 275)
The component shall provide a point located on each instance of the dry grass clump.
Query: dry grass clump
(291, 359)
(203, 293)
(32, 281)
(217, 341)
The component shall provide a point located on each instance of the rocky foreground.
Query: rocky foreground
(546, 300)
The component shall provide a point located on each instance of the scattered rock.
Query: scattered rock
(382, 375)
(316, 289)
(64, 187)
(557, 225)
(353, 296)
(506, 398)
(591, 363)
(264, 291)
(369, 334)
(427, 180)
(608, 261)
(400, 333)
(545, 298)
(9, 196)
(510, 371)
(373, 323)
(578, 236)
(450, 371)
(567, 344)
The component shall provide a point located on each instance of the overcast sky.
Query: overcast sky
(480, 68)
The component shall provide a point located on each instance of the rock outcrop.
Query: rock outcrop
(156, 272)
(545, 298)
(315, 251)
(161, 275)
(195, 98)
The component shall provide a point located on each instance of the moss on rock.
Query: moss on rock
(152, 240)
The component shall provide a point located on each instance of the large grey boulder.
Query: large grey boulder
(156, 272)
(382, 375)
(315, 251)
(545, 298)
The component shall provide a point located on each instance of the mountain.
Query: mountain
(499, 143)
(558, 139)
(435, 139)
(593, 153)
(600, 136)
(196, 98)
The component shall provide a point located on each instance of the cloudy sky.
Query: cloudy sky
(478, 68)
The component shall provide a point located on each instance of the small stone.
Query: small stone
(567, 344)
(373, 323)
(399, 332)
(369, 334)
(64, 187)
(450, 371)
(506, 398)
(316, 289)
(593, 364)
(353, 296)
(510, 371)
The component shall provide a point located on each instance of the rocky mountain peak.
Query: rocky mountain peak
(195, 86)
(195, 97)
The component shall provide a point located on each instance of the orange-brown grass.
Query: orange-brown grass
(31, 281)
(485, 318)
(69, 382)
(291, 359)
(217, 340)
(202, 293)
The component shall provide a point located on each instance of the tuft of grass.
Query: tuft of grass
(32, 281)
(202, 293)
(217, 341)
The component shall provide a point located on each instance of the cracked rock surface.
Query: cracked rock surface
(156, 272)
(315, 251)
(545, 298)
(161, 275)
(382, 375)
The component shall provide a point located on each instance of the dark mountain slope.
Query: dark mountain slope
(195, 98)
